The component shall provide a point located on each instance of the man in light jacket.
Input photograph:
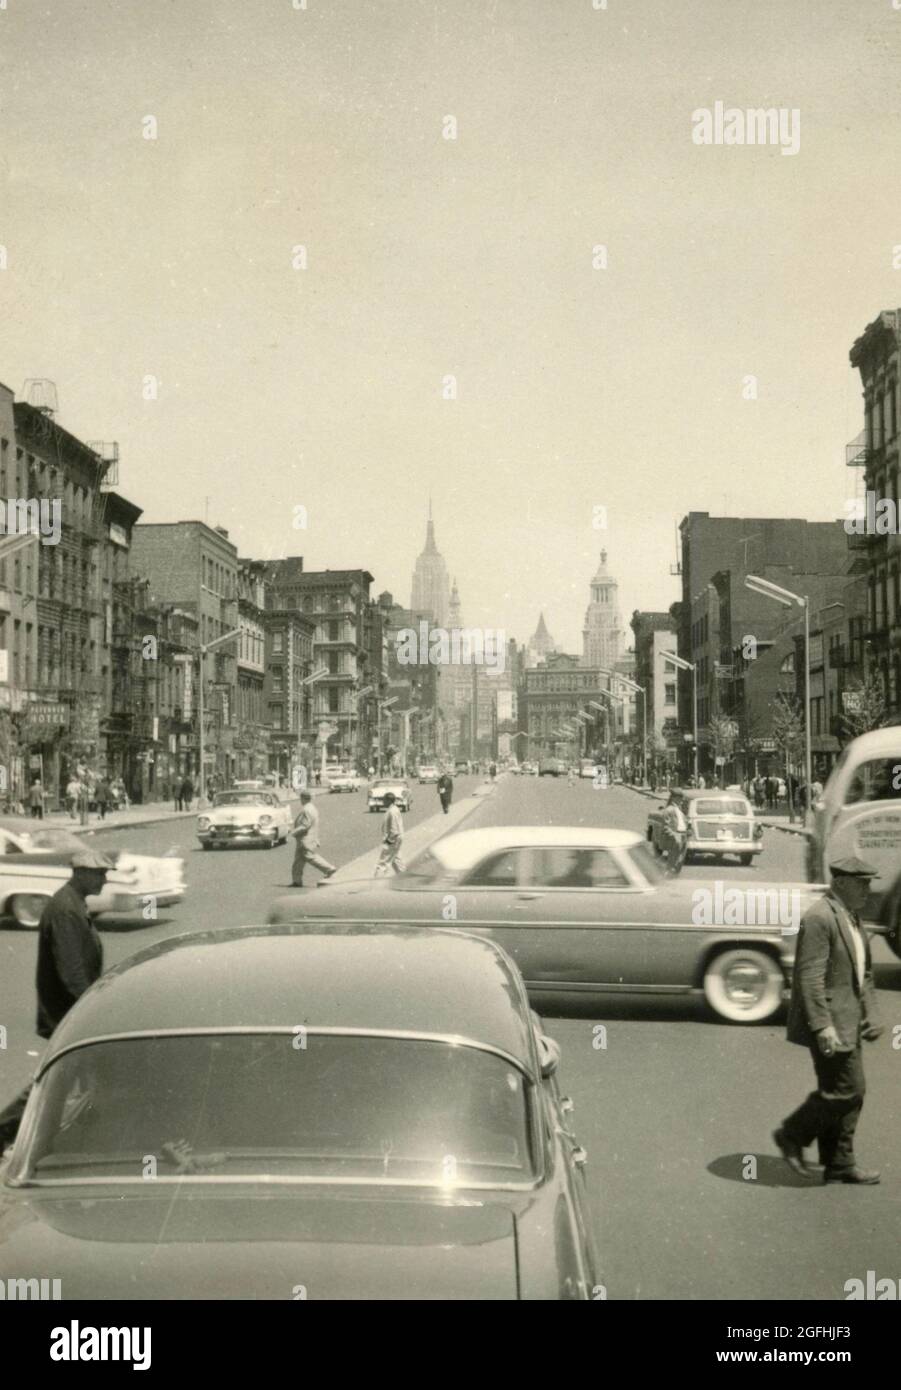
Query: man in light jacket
(392, 838)
(306, 840)
(832, 1010)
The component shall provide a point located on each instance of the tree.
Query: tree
(723, 732)
(865, 710)
(788, 733)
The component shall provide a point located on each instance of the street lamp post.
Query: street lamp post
(691, 666)
(204, 648)
(382, 704)
(311, 680)
(639, 689)
(788, 598)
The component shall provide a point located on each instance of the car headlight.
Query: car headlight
(203, 823)
(265, 820)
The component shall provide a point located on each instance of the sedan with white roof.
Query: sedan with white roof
(587, 914)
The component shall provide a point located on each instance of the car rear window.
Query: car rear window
(246, 1106)
(720, 806)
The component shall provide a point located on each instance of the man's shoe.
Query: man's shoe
(863, 1176)
(792, 1152)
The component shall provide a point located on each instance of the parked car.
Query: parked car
(719, 823)
(551, 767)
(344, 780)
(859, 813)
(585, 913)
(588, 768)
(429, 774)
(462, 768)
(408, 1140)
(36, 860)
(249, 817)
(378, 790)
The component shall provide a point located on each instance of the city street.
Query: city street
(672, 1111)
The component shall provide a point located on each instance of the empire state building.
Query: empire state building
(430, 583)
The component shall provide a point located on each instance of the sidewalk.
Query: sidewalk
(415, 840)
(150, 813)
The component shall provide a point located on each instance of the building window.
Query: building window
(669, 693)
(333, 699)
(277, 642)
(333, 632)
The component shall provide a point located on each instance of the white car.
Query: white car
(36, 860)
(377, 791)
(429, 774)
(244, 817)
(344, 781)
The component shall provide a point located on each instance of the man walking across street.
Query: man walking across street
(306, 841)
(392, 839)
(36, 799)
(70, 959)
(445, 790)
(831, 1012)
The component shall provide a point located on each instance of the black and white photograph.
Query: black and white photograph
(450, 662)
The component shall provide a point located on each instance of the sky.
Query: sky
(154, 280)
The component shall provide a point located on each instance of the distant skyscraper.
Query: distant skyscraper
(430, 585)
(541, 644)
(602, 635)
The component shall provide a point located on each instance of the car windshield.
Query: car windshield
(51, 838)
(243, 799)
(247, 1106)
(643, 859)
(720, 806)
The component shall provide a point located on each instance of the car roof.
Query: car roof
(707, 792)
(466, 847)
(364, 976)
(878, 743)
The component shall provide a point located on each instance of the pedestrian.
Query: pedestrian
(702, 783)
(676, 831)
(177, 797)
(104, 796)
(318, 776)
(306, 842)
(571, 776)
(832, 1010)
(73, 792)
(445, 787)
(70, 959)
(392, 838)
(187, 794)
(492, 771)
(652, 781)
(36, 799)
(758, 792)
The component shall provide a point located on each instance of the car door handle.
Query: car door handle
(527, 897)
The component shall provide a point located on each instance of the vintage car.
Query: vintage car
(344, 780)
(551, 767)
(587, 914)
(588, 768)
(36, 858)
(859, 813)
(241, 816)
(462, 768)
(428, 774)
(719, 823)
(345, 1113)
(378, 789)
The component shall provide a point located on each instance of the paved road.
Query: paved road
(676, 1111)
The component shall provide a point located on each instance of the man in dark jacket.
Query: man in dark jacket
(445, 790)
(832, 1009)
(70, 959)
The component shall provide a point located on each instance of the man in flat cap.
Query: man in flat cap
(832, 1009)
(70, 958)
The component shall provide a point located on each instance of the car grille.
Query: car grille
(707, 830)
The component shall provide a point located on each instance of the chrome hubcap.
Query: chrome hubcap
(746, 983)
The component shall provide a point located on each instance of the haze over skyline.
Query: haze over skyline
(577, 388)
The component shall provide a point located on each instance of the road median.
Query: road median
(416, 839)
